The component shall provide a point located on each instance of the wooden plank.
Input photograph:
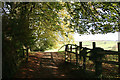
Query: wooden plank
(94, 45)
(66, 47)
(27, 55)
(23, 54)
(74, 48)
(76, 55)
(111, 62)
(119, 57)
(106, 52)
(87, 48)
(70, 48)
(109, 52)
(72, 44)
(71, 52)
(80, 47)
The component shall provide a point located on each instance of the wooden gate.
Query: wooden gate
(97, 55)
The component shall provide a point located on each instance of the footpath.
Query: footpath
(49, 65)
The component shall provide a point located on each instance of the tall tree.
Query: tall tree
(94, 17)
(44, 23)
(47, 24)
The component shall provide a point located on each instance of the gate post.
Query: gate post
(71, 51)
(27, 54)
(94, 45)
(98, 68)
(80, 47)
(119, 57)
(98, 63)
(66, 47)
(23, 53)
(76, 55)
(84, 58)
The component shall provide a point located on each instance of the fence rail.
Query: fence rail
(95, 53)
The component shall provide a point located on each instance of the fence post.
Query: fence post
(23, 54)
(98, 64)
(76, 55)
(84, 59)
(94, 45)
(80, 47)
(71, 51)
(66, 47)
(119, 57)
(98, 69)
(27, 54)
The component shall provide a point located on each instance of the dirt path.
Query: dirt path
(47, 65)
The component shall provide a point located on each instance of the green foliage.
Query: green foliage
(94, 17)
(49, 29)
(28, 24)
(43, 25)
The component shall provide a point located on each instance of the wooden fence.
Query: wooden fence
(95, 54)
(25, 54)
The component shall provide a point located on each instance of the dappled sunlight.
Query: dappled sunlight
(54, 72)
(62, 75)
(30, 30)
(31, 70)
(24, 69)
(54, 67)
(38, 64)
(23, 72)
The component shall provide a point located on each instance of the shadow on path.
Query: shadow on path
(49, 65)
